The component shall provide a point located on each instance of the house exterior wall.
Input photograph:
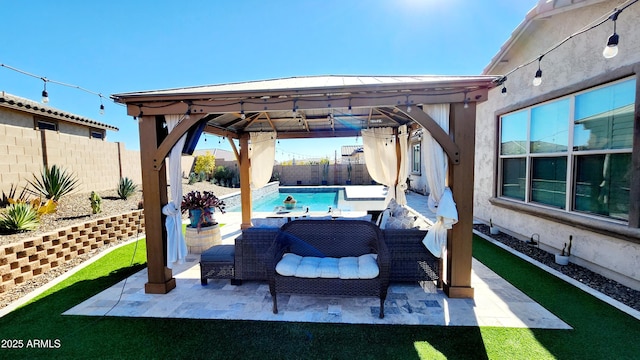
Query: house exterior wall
(97, 163)
(574, 66)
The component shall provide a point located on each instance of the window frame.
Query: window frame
(38, 120)
(571, 156)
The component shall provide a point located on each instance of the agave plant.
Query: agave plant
(126, 188)
(54, 183)
(19, 217)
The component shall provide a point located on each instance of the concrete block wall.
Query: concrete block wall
(24, 151)
(21, 148)
(29, 258)
(312, 174)
(94, 162)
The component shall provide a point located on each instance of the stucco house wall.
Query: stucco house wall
(576, 65)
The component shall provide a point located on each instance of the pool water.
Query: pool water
(315, 199)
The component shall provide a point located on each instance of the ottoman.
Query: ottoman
(217, 262)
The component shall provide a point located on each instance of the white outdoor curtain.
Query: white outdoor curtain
(176, 246)
(380, 157)
(262, 152)
(403, 171)
(440, 198)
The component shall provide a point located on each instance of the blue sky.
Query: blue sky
(119, 46)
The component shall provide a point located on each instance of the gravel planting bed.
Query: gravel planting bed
(598, 282)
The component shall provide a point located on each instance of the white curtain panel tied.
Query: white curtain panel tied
(380, 157)
(440, 198)
(176, 246)
(262, 153)
(403, 170)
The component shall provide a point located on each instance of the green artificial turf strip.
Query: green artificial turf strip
(601, 332)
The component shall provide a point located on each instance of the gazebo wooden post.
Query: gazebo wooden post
(462, 123)
(245, 181)
(154, 183)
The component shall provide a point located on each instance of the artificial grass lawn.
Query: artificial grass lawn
(600, 331)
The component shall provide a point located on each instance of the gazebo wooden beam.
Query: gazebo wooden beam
(245, 181)
(154, 184)
(448, 145)
(462, 126)
(167, 144)
(320, 101)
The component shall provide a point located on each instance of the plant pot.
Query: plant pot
(289, 205)
(206, 237)
(194, 215)
(562, 259)
(324, 182)
(493, 230)
(348, 182)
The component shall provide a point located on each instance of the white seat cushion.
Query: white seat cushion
(362, 267)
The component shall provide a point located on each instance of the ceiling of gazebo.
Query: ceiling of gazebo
(314, 106)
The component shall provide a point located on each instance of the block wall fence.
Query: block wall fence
(98, 164)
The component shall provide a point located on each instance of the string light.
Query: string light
(408, 105)
(242, 115)
(611, 49)
(349, 110)
(537, 80)
(45, 94)
(466, 100)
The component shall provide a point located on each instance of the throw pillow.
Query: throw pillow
(297, 245)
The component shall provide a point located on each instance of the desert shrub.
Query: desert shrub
(126, 188)
(19, 217)
(193, 178)
(53, 183)
(205, 164)
(96, 202)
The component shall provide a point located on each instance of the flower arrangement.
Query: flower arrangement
(201, 206)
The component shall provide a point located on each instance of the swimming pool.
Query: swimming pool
(317, 199)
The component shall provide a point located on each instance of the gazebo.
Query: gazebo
(307, 107)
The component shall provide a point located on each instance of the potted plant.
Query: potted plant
(349, 170)
(563, 257)
(289, 202)
(201, 207)
(493, 229)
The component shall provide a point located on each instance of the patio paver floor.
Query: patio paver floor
(496, 302)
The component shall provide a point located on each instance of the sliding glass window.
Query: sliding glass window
(572, 153)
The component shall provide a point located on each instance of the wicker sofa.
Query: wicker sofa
(335, 239)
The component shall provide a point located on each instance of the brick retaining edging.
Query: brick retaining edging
(29, 258)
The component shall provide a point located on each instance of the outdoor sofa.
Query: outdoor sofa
(329, 257)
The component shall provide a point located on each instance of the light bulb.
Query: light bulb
(504, 91)
(242, 116)
(45, 96)
(101, 109)
(537, 80)
(611, 49)
(408, 108)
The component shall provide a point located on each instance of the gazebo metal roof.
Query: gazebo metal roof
(309, 106)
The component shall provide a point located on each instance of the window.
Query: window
(416, 160)
(573, 153)
(46, 125)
